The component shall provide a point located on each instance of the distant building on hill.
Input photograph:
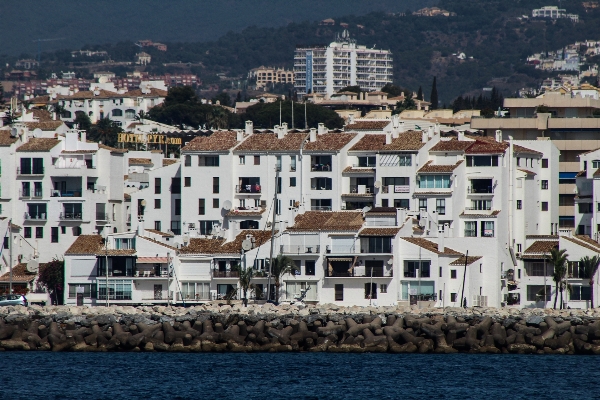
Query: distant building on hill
(554, 13)
(433, 12)
(265, 75)
(327, 69)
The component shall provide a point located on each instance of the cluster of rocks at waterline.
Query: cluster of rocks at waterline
(331, 328)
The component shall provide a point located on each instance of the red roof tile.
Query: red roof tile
(270, 142)
(218, 141)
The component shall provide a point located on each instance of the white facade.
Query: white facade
(343, 63)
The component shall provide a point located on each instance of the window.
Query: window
(215, 185)
(536, 292)
(585, 208)
(215, 203)
(89, 290)
(27, 232)
(176, 185)
(367, 161)
(248, 224)
(278, 163)
(177, 206)
(544, 184)
(54, 234)
(402, 203)
(434, 181)
(537, 269)
(256, 160)
(482, 161)
(595, 164)
(481, 204)
(76, 231)
(279, 185)
(440, 206)
(208, 161)
(423, 204)
(206, 227)
(39, 232)
(176, 227)
(320, 163)
(453, 297)
(545, 206)
(188, 161)
(156, 203)
(242, 160)
(370, 290)
(452, 274)
(519, 204)
(187, 181)
(339, 292)
(201, 206)
(518, 247)
(396, 181)
(544, 163)
(440, 272)
(385, 203)
(567, 200)
(379, 245)
(63, 230)
(470, 228)
(117, 290)
(518, 161)
(383, 288)
(411, 268)
(195, 290)
(292, 163)
(309, 268)
(31, 166)
(321, 183)
(395, 160)
(487, 228)
(292, 181)
(157, 226)
(36, 211)
(579, 292)
(157, 182)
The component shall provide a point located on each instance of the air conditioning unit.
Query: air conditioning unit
(479, 301)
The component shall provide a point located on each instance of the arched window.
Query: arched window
(130, 114)
(117, 112)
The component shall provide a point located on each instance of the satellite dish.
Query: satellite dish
(247, 245)
(366, 209)
(143, 203)
(37, 132)
(268, 224)
(33, 266)
(227, 205)
(377, 184)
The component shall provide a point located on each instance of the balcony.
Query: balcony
(360, 271)
(320, 208)
(225, 274)
(30, 194)
(300, 249)
(70, 216)
(248, 189)
(480, 190)
(36, 217)
(30, 171)
(395, 189)
(66, 193)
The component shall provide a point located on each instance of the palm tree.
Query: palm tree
(281, 265)
(590, 266)
(217, 118)
(245, 277)
(58, 110)
(558, 258)
(141, 116)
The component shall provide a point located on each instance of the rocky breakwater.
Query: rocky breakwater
(330, 328)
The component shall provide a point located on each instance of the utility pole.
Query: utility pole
(10, 257)
(272, 234)
(168, 278)
(462, 295)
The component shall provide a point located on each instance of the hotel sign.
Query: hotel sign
(149, 138)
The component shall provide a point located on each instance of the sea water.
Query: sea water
(47, 375)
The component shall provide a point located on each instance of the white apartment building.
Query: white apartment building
(327, 69)
(553, 12)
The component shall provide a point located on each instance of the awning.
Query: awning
(152, 260)
(567, 175)
(339, 258)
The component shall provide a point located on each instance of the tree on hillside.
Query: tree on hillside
(420, 94)
(52, 277)
(393, 90)
(2, 101)
(82, 121)
(434, 95)
(223, 98)
(407, 104)
(266, 115)
(355, 89)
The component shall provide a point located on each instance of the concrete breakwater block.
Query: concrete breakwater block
(285, 328)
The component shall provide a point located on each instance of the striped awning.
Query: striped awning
(339, 259)
(152, 260)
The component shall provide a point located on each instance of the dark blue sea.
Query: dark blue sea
(90, 376)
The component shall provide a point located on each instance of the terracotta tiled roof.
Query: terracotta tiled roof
(246, 213)
(154, 92)
(328, 221)
(582, 244)
(493, 214)
(163, 234)
(452, 145)
(87, 94)
(541, 247)
(406, 141)
(485, 147)
(581, 173)
(367, 126)
(111, 149)
(528, 172)
(169, 161)
(431, 246)
(517, 149)
(219, 246)
(428, 167)
(461, 260)
(39, 144)
(218, 141)
(597, 172)
(382, 210)
(550, 237)
(19, 274)
(43, 125)
(352, 170)
(42, 115)
(6, 139)
(40, 100)
(270, 142)
(126, 197)
(329, 142)
(202, 246)
(369, 143)
(379, 232)
(588, 240)
(78, 151)
(86, 244)
(140, 161)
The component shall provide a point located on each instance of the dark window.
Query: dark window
(177, 206)
(519, 204)
(453, 297)
(440, 272)
(380, 245)
(208, 161)
(585, 208)
(320, 183)
(201, 206)
(482, 161)
(140, 207)
(76, 230)
(156, 203)
(385, 203)
(256, 160)
(370, 290)
(423, 204)
(339, 292)
(27, 232)
(63, 229)
(215, 203)
(39, 232)
(292, 181)
(278, 185)
(402, 203)
(176, 185)
(215, 185)
(188, 181)
(580, 292)
(157, 225)
(157, 185)
(545, 206)
(568, 200)
(309, 268)
(440, 206)
(544, 163)
(248, 224)
(396, 181)
(54, 234)
(176, 227)
(6, 242)
(366, 161)
(452, 274)
(544, 184)
(188, 161)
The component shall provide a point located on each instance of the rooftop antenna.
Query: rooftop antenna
(280, 102)
(292, 113)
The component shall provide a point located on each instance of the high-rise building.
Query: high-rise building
(327, 69)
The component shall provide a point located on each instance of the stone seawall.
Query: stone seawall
(330, 328)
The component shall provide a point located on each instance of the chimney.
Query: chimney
(424, 136)
(461, 135)
(249, 128)
(430, 132)
(395, 121)
(321, 128)
(140, 227)
(283, 130)
(498, 136)
(437, 128)
(313, 135)
(240, 134)
(83, 136)
(388, 138)
(350, 119)
(441, 241)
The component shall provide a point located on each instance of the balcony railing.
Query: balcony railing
(248, 189)
(66, 193)
(320, 208)
(488, 189)
(361, 189)
(320, 167)
(300, 249)
(30, 171)
(225, 274)
(71, 216)
(361, 271)
(36, 217)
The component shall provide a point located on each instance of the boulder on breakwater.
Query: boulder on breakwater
(260, 328)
